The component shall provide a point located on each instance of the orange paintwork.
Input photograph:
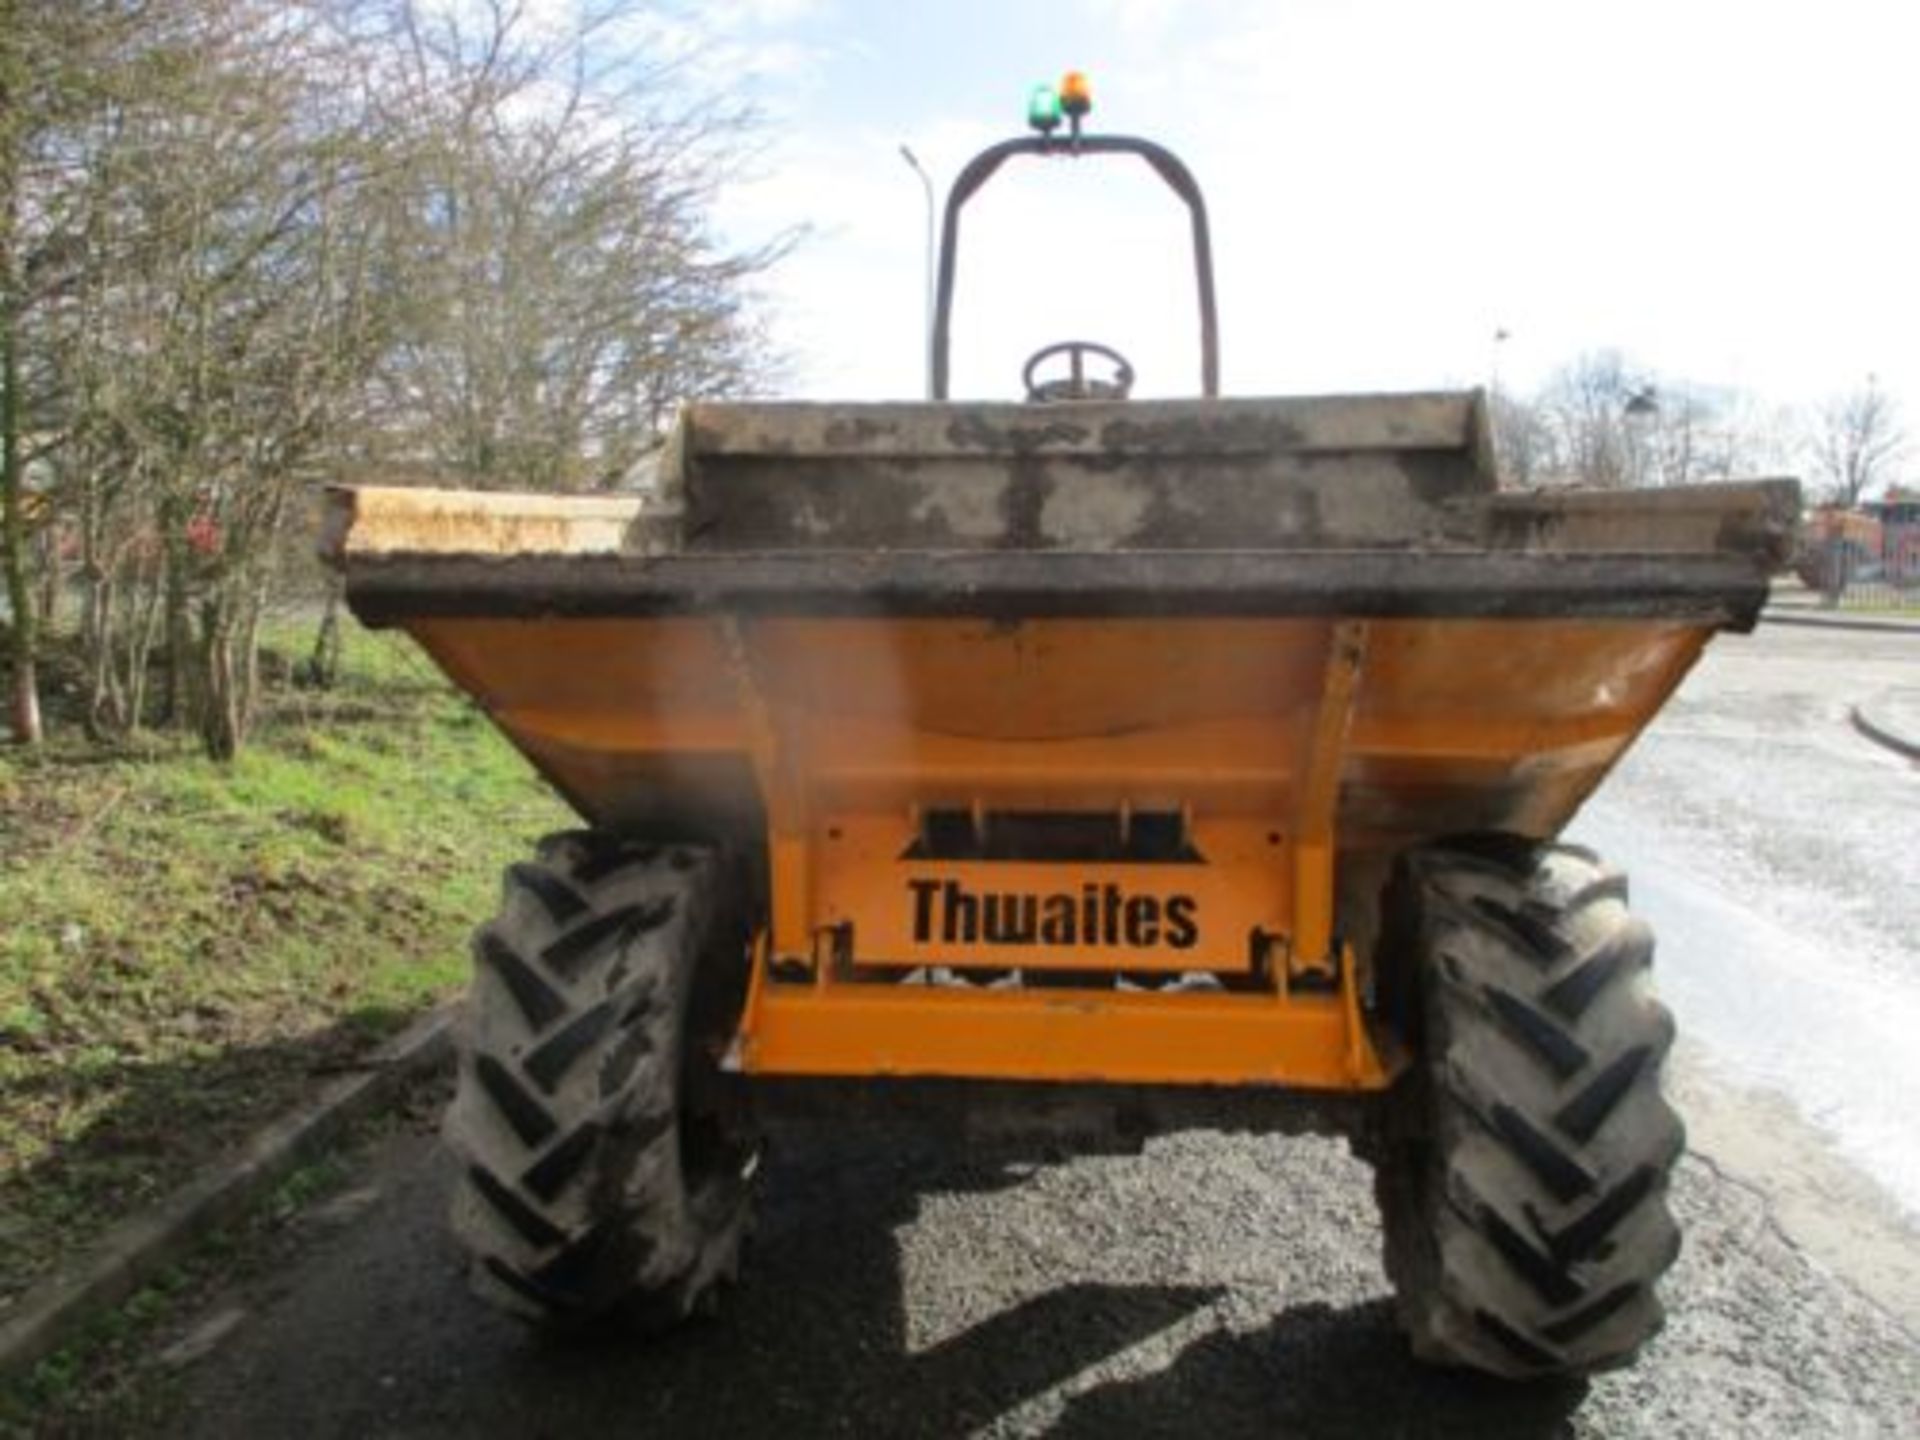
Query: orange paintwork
(1294, 747)
(861, 881)
(1108, 1035)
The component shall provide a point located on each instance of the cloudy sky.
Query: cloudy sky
(1725, 191)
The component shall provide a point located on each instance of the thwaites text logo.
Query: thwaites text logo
(948, 913)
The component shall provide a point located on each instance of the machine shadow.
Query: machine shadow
(1319, 1371)
(818, 1340)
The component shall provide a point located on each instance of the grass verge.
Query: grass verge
(123, 1373)
(186, 948)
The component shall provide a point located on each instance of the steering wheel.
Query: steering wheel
(1077, 384)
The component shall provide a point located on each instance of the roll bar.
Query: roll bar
(1166, 164)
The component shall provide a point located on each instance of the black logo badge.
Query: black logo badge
(1100, 915)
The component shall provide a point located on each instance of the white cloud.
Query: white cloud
(1717, 188)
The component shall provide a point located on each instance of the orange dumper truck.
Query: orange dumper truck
(1081, 766)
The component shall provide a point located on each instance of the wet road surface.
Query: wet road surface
(1776, 852)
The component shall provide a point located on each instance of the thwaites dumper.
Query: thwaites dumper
(1087, 762)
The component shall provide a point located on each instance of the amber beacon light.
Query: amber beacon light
(1076, 95)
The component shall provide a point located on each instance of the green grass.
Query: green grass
(109, 1380)
(186, 948)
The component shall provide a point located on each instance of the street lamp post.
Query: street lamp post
(926, 336)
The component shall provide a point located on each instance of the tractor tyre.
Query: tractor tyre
(1524, 1158)
(602, 1177)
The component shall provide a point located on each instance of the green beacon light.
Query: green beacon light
(1043, 109)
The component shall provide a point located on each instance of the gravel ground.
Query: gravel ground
(1218, 1285)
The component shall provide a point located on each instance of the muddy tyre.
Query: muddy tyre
(601, 1175)
(1524, 1160)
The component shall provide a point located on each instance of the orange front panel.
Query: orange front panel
(1037, 680)
(1197, 915)
(1454, 725)
(1469, 725)
(1112, 1036)
(1241, 766)
(1287, 745)
(1062, 917)
(880, 714)
(633, 722)
(651, 673)
(1519, 685)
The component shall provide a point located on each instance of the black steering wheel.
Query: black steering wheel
(1078, 385)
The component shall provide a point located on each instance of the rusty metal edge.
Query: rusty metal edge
(1426, 419)
(1724, 590)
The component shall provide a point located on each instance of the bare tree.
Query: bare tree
(49, 54)
(1604, 423)
(253, 245)
(1522, 439)
(1854, 442)
(566, 294)
(1582, 412)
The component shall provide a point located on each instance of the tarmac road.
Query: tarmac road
(1230, 1285)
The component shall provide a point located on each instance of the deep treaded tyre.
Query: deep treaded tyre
(1523, 1178)
(598, 1173)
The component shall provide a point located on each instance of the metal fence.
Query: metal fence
(1852, 573)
